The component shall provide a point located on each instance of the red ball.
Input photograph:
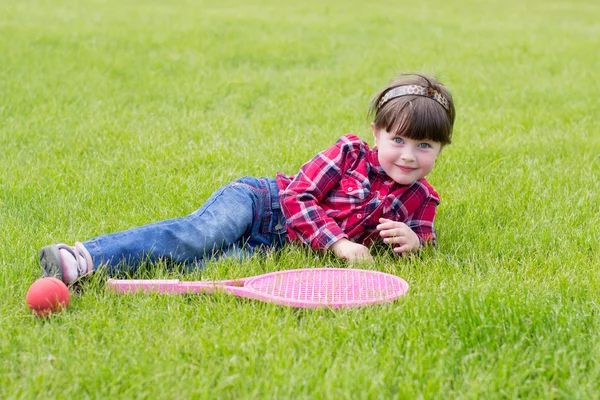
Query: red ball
(48, 295)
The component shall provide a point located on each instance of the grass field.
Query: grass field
(115, 114)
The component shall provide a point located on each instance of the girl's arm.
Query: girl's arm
(301, 200)
(417, 232)
(421, 222)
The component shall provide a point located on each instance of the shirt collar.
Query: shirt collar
(374, 161)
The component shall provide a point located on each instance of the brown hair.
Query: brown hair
(413, 116)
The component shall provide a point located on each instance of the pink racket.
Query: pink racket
(305, 288)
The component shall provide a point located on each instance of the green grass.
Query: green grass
(115, 114)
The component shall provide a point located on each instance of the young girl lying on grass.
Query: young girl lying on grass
(347, 197)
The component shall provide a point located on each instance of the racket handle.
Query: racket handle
(143, 285)
(171, 286)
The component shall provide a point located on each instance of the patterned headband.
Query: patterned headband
(414, 90)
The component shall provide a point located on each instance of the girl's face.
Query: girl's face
(405, 160)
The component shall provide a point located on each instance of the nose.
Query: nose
(407, 154)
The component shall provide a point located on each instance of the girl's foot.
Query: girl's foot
(67, 263)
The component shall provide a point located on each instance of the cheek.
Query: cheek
(386, 156)
(427, 161)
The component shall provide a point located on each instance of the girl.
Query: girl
(345, 198)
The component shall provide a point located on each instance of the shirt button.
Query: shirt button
(350, 189)
(359, 216)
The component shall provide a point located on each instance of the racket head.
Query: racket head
(326, 287)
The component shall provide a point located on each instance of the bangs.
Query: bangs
(416, 118)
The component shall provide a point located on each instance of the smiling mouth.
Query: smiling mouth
(406, 169)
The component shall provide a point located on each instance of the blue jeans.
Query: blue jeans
(239, 219)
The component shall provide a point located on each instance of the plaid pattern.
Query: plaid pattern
(343, 191)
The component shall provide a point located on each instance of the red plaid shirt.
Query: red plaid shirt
(343, 191)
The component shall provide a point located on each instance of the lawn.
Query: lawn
(115, 114)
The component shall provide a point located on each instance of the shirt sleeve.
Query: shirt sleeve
(421, 221)
(301, 200)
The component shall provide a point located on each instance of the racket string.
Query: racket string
(328, 286)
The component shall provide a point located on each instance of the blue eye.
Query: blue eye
(398, 140)
(424, 145)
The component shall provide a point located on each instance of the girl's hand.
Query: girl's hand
(399, 235)
(351, 251)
